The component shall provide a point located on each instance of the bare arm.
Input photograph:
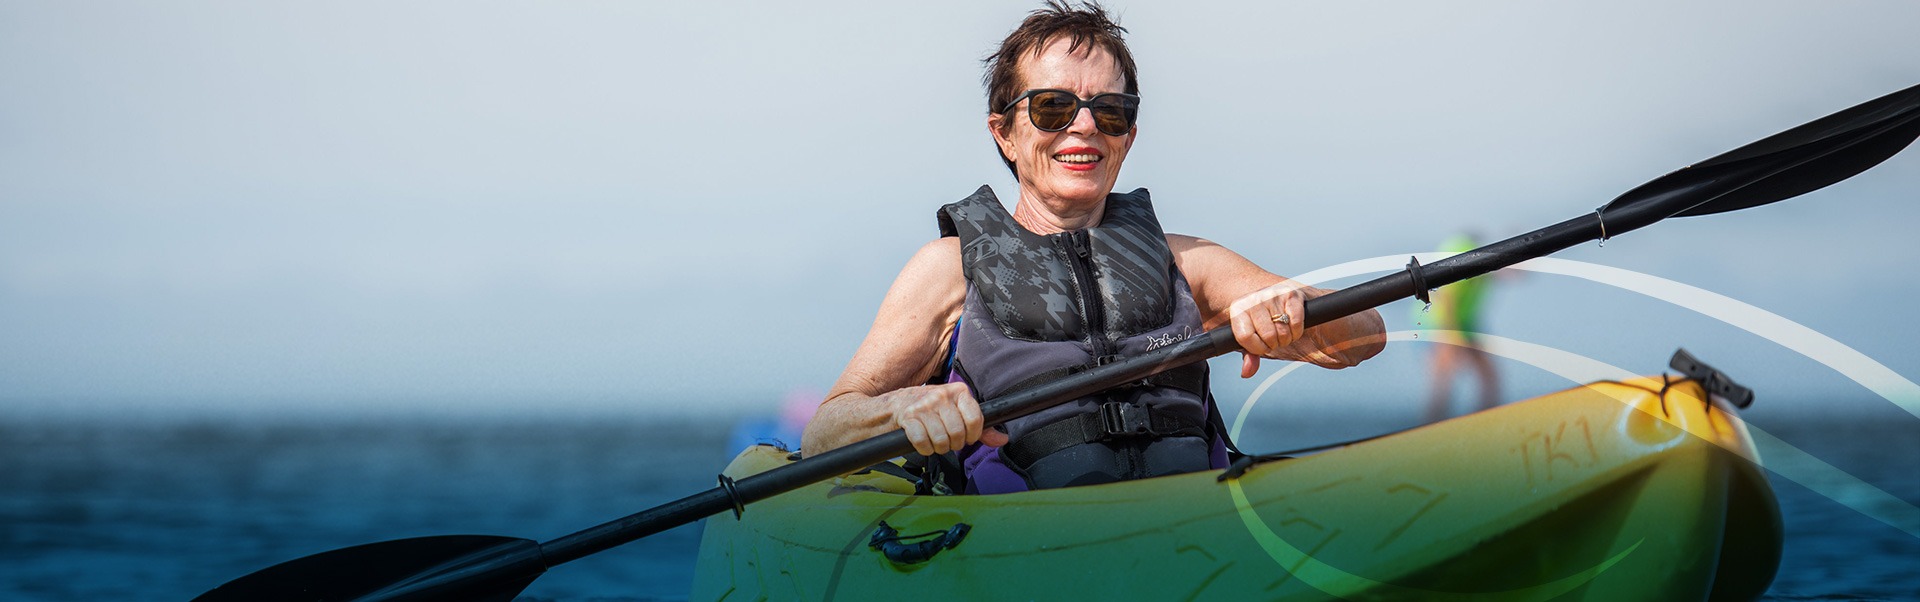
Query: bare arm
(1231, 289)
(877, 392)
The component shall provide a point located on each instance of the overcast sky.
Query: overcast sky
(376, 206)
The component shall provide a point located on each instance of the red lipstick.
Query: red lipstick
(1081, 154)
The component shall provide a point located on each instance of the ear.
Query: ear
(1130, 136)
(999, 138)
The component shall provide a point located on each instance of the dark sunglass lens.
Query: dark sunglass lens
(1052, 111)
(1114, 115)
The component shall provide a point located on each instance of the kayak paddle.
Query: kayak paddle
(487, 568)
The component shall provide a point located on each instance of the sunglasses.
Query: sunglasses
(1053, 110)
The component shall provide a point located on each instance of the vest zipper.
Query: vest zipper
(1081, 251)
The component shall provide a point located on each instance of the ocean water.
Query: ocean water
(110, 511)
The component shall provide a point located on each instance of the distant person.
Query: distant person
(783, 430)
(1454, 319)
(1073, 277)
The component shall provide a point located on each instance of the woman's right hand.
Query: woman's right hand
(941, 418)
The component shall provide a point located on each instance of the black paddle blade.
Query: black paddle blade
(481, 568)
(1790, 163)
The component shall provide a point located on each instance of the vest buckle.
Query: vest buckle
(1119, 419)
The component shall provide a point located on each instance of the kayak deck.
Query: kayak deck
(1642, 490)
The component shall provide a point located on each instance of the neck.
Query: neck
(1042, 218)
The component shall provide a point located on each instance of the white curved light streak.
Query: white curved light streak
(1849, 362)
(1780, 457)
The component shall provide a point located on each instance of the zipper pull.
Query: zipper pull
(1080, 244)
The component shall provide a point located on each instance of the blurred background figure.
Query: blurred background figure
(1453, 323)
(783, 430)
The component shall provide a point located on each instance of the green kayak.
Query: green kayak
(1641, 490)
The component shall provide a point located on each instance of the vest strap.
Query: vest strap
(1191, 378)
(1115, 420)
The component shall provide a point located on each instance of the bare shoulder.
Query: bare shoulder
(932, 279)
(1201, 258)
(945, 249)
(938, 261)
(1181, 243)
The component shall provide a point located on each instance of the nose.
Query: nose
(1083, 122)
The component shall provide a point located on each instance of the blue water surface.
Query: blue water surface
(93, 510)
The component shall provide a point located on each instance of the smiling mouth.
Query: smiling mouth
(1077, 158)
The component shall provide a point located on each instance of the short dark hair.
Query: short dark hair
(1086, 24)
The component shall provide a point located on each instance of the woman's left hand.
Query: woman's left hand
(1266, 321)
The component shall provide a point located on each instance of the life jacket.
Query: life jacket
(1040, 307)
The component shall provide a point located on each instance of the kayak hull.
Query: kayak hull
(1641, 490)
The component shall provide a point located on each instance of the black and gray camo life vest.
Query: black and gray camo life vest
(1039, 307)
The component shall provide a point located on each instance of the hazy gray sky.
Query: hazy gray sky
(369, 205)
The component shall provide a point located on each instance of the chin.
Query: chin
(1082, 188)
(1090, 194)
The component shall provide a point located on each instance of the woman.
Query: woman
(1074, 277)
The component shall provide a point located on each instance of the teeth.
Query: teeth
(1080, 158)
